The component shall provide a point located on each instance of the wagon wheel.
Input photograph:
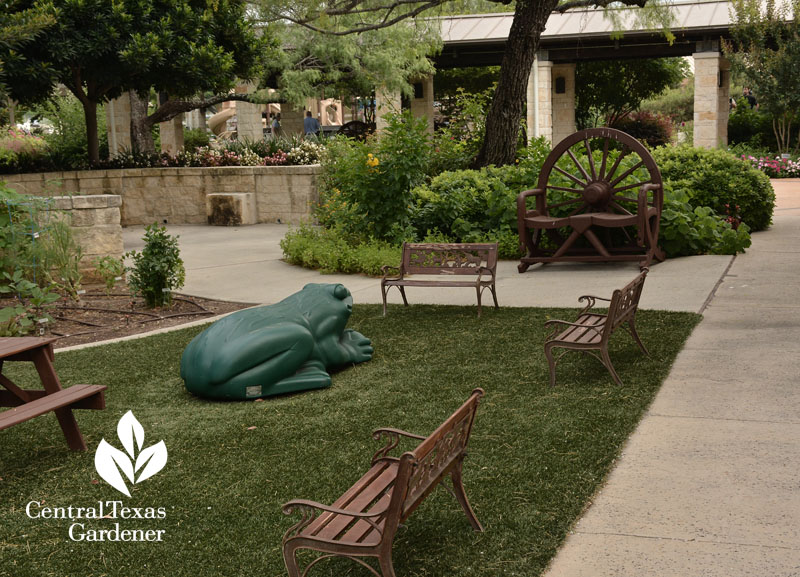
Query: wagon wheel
(608, 184)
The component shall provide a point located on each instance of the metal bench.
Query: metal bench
(591, 331)
(444, 260)
(364, 520)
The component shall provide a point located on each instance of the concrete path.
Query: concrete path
(709, 484)
(244, 264)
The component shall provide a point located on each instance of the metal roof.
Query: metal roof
(710, 16)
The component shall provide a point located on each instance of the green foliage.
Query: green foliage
(329, 251)
(21, 219)
(687, 230)
(765, 50)
(458, 141)
(31, 304)
(367, 186)
(67, 144)
(614, 89)
(20, 151)
(195, 138)
(676, 103)
(98, 49)
(62, 257)
(158, 269)
(751, 127)
(715, 178)
(109, 269)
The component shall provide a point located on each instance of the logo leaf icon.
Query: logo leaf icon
(153, 459)
(129, 429)
(109, 461)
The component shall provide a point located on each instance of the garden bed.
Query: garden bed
(99, 316)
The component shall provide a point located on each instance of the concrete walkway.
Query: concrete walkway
(709, 483)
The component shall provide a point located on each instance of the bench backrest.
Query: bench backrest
(624, 303)
(456, 259)
(434, 458)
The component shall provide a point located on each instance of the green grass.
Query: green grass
(536, 457)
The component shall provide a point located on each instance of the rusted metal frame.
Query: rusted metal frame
(572, 177)
(392, 440)
(310, 511)
(579, 166)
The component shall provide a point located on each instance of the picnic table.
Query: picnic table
(29, 403)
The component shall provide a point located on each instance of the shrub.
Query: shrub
(366, 187)
(158, 269)
(110, 270)
(329, 251)
(714, 178)
(777, 167)
(751, 127)
(194, 138)
(675, 103)
(652, 129)
(20, 151)
(687, 230)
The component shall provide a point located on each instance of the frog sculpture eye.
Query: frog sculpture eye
(275, 349)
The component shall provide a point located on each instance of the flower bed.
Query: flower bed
(775, 167)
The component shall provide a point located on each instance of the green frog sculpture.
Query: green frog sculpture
(276, 349)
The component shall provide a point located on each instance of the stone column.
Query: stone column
(563, 101)
(118, 124)
(291, 119)
(248, 117)
(196, 119)
(711, 93)
(422, 101)
(172, 135)
(540, 99)
(386, 102)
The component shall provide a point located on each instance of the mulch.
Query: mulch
(98, 316)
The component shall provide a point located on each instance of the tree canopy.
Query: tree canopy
(99, 49)
(765, 49)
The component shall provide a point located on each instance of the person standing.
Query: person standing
(310, 124)
(276, 126)
(751, 100)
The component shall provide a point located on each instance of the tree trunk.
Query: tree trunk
(93, 143)
(503, 120)
(141, 135)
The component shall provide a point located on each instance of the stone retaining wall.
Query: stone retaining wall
(95, 223)
(178, 195)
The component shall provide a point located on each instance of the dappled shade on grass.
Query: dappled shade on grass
(537, 455)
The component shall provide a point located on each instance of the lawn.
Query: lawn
(537, 455)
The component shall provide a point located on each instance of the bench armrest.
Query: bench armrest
(522, 208)
(485, 269)
(398, 271)
(392, 440)
(309, 511)
(590, 302)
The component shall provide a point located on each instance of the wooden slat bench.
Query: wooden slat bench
(591, 330)
(363, 521)
(444, 259)
(27, 404)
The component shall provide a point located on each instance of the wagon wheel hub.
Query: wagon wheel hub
(597, 194)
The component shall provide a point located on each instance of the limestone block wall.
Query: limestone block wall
(178, 195)
(711, 91)
(563, 103)
(95, 223)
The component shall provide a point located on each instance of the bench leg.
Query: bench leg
(461, 495)
(385, 562)
(403, 294)
(635, 335)
(51, 384)
(478, 290)
(607, 362)
(290, 560)
(551, 362)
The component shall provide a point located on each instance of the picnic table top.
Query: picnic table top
(13, 345)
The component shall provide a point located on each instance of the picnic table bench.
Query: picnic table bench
(364, 520)
(443, 260)
(592, 330)
(29, 403)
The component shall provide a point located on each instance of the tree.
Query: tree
(99, 49)
(614, 89)
(765, 48)
(336, 17)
